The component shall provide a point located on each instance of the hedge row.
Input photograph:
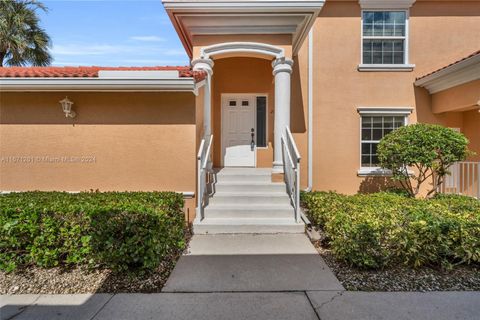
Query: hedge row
(116, 230)
(384, 229)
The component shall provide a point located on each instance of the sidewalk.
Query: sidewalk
(327, 305)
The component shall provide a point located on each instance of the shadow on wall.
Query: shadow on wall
(376, 184)
(297, 113)
(98, 108)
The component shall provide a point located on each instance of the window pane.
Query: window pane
(367, 17)
(377, 134)
(366, 161)
(366, 122)
(375, 161)
(261, 122)
(366, 148)
(377, 122)
(367, 134)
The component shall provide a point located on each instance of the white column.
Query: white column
(282, 69)
(207, 66)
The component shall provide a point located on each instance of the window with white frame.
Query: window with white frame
(374, 128)
(384, 37)
(375, 123)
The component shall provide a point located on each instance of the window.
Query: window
(374, 128)
(385, 40)
(261, 122)
(384, 36)
(375, 123)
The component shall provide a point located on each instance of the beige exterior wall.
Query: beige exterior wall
(138, 141)
(460, 98)
(440, 32)
(471, 129)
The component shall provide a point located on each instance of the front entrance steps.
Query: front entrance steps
(246, 201)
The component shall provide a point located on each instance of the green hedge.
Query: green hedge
(384, 229)
(119, 230)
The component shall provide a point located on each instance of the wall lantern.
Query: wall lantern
(67, 108)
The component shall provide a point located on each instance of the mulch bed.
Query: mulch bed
(60, 280)
(402, 278)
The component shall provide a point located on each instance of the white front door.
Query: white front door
(238, 130)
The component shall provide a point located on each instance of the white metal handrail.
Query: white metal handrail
(463, 178)
(203, 167)
(291, 170)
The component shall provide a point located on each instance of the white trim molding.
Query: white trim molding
(386, 67)
(386, 4)
(262, 49)
(97, 84)
(192, 18)
(381, 111)
(454, 75)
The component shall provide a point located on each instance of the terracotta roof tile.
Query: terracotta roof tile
(88, 72)
(451, 64)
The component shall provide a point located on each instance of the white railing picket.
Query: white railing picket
(291, 170)
(203, 166)
(464, 179)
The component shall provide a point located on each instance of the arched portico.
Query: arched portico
(281, 69)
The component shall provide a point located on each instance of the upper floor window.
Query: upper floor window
(384, 37)
(385, 40)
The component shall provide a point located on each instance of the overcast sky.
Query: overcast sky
(112, 33)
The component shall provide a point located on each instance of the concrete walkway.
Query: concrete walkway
(248, 262)
(312, 305)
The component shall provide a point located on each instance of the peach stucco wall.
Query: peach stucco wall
(471, 129)
(440, 33)
(135, 141)
(459, 98)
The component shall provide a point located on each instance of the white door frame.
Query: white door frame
(224, 97)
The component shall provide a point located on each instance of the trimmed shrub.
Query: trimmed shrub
(384, 229)
(117, 230)
(427, 148)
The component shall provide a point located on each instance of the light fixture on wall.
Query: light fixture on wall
(67, 108)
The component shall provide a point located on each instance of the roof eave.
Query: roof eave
(97, 84)
(459, 73)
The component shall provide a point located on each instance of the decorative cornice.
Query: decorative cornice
(459, 73)
(242, 47)
(384, 110)
(386, 4)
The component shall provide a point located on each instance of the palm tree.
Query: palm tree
(22, 40)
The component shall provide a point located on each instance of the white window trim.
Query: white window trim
(378, 111)
(406, 66)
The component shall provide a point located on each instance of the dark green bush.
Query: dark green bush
(384, 229)
(116, 230)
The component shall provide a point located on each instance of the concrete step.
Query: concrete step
(243, 171)
(240, 178)
(249, 211)
(249, 186)
(247, 225)
(248, 197)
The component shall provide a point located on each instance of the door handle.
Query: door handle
(252, 143)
